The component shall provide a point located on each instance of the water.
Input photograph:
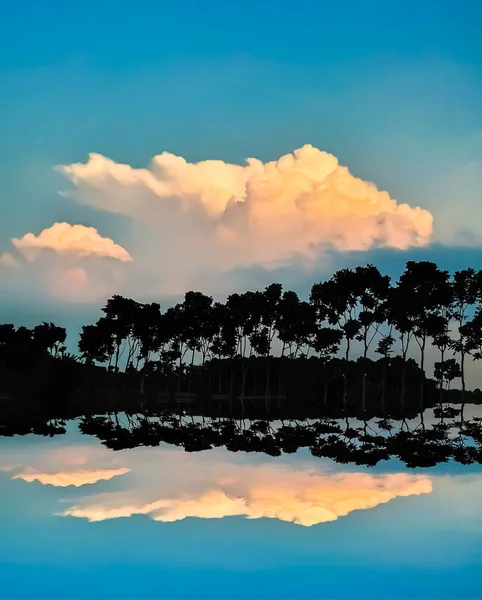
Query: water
(80, 520)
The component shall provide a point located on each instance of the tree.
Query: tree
(326, 342)
(145, 332)
(385, 348)
(49, 337)
(96, 343)
(466, 289)
(447, 371)
(427, 294)
(121, 313)
(372, 292)
(337, 300)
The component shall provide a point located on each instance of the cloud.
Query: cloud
(74, 263)
(210, 225)
(213, 217)
(167, 484)
(72, 478)
(256, 491)
(9, 261)
(72, 239)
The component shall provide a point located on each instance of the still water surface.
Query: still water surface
(79, 520)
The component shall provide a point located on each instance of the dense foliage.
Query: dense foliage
(271, 343)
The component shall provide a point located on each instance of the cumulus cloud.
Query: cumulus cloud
(213, 216)
(256, 491)
(9, 261)
(302, 199)
(71, 478)
(210, 225)
(72, 262)
(72, 239)
(167, 484)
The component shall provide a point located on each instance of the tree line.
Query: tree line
(270, 343)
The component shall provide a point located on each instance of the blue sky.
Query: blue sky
(391, 89)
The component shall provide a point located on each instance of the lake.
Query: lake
(134, 505)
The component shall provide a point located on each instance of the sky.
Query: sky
(81, 521)
(148, 148)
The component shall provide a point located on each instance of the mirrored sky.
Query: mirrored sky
(81, 521)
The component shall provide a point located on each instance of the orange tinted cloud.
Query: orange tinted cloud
(72, 239)
(260, 491)
(72, 478)
(208, 224)
(71, 262)
(301, 201)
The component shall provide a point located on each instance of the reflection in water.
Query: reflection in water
(170, 485)
(446, 433)
(158, 468)
(254, 491)
(67, 478)
(281, 504)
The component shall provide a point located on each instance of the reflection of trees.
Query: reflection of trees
(337, 436)
(25, 426)
(361, 443)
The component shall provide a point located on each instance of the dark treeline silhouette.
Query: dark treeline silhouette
(268, 346)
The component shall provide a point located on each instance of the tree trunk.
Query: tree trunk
(422, 375)
(244, 372)
(402, 385)
(116, 358)
(190, 373)
(441, 380)
(364, 374)
(179, 375)
(266, 392)
(345, 381)
(143, 375)
(462, 373)
(384, 384)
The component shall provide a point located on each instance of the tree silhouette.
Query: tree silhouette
(426, 291)
(267, 344)
(50, 337)
(466, 290)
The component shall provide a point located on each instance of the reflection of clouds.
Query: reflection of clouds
(253, 491)
(75, 478)
(62, 467)
(168, 484)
